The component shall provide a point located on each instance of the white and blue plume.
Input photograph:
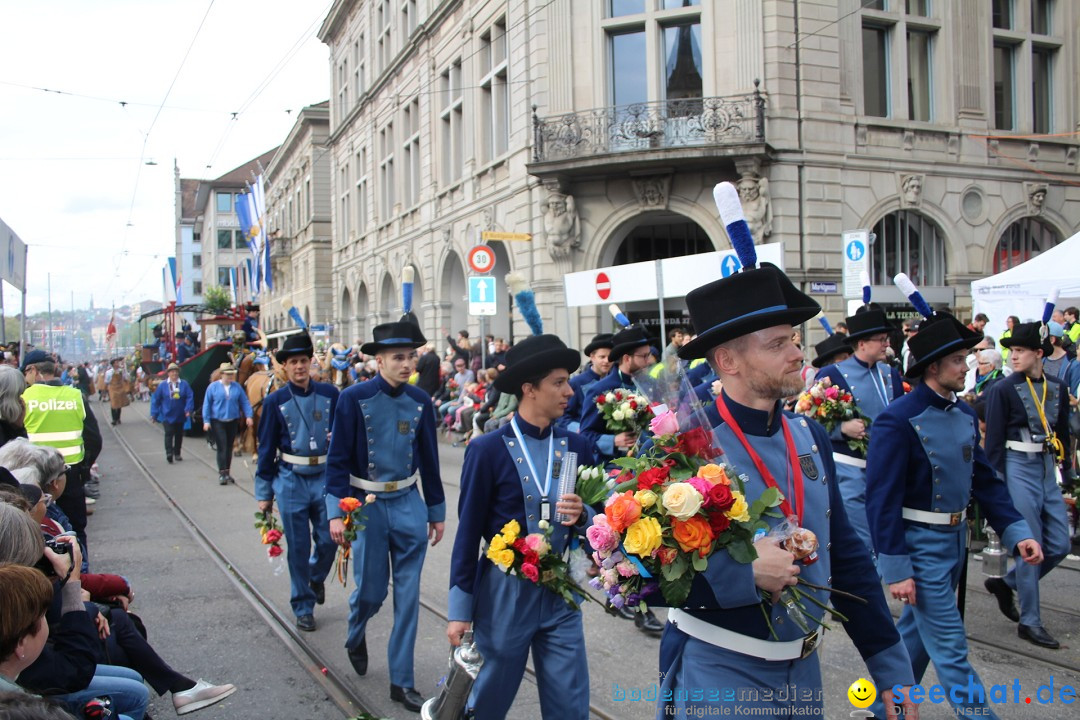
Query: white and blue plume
(620, 317)
(731, 214)
(1051, 302)
(825, 324)
(525, 299)
(407, 277)
(286, 302)
(864, 279)
(903, 282)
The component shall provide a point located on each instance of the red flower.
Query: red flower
(652, 477)
(273, 550)
(272, 536)
(818, 401)
(600, 401)
(529, 557)
(520, 546)
(718, 521)
(666, 555)
(618, 395)
(529, 570)
(720, 497)
(633, 405)
(696, 442)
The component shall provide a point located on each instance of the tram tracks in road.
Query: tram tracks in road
(342, 694)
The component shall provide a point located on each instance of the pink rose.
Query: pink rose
(529, 570)
(611, 577)
(602, 537)
(272, 536)
(537, 543)
(664, 424)
(273, 550)
(832, 392)
(702, 485)
(626, 569)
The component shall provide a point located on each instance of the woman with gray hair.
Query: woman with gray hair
(12, 407)
(987, 370)
(42, 466)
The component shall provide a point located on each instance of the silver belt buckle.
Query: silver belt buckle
(810, 644)
(390, 486)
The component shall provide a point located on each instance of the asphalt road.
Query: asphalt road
(202, 621)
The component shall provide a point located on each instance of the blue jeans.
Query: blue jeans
(123, 686)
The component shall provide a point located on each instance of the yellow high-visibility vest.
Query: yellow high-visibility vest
(54, 418)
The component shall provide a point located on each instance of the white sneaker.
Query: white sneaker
(90, 501)
(202, 695)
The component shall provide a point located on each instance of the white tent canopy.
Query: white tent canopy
(1022, 290)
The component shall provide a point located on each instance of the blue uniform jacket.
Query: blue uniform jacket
(166, 409)
(1005, 416)
(900, 473)
(184, 352)
(492, 494)
(859, 379)
(571, 419)
(217, 407)
(249, 326)
(352, 436)
(725, 593)
(274, 435)
(593, 426)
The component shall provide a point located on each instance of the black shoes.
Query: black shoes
(168, 459)
(179, 459)
(408, 697)
(647, 623)
(1004, 594)
(306, 623)
(1037, 635)
(319, 588)
(358, 657)
(223, 479)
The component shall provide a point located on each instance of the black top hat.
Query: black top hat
(1031, 335)
(603, 340)
(251, 307)
(180, 335)
(299, 344)
(627, 340)
(867, 321)
(751, 300)
(393, 335)
(829, 348)
(532, 356)
(939, 335)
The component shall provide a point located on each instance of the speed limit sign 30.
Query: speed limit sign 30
(481, 259)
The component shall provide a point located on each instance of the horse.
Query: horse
(260, 384)
(336, 362)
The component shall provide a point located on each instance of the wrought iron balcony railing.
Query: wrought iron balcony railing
(688, 122)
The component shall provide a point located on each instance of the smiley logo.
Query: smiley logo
(862, 693)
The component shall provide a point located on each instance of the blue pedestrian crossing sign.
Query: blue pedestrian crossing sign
(482, 295)
(730, 265)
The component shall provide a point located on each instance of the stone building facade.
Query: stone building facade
(298, 210)
(599, 127)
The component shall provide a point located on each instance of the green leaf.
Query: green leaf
(743, 552)
(700, 563)
(676, 569)
(676, 591)
(770, 498)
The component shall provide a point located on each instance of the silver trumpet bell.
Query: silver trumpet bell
(465, 663)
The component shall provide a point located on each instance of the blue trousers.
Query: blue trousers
(395, 534)
(852, 484)
(933, 630)
(123, 686)
(1033, 486)
(512, 617)
(708, 680)
(303, 519)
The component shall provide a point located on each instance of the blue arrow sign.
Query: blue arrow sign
(730, 265)
(482, 296)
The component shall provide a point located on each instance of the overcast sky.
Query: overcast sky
(74, 184)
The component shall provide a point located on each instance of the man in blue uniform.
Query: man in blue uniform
(1027, 433)
(831, 350)
(513, 474)
(629, 354)
(294, 434)
(185, 350)
(171, 405)
(922, 468)
(873, 384)
(251, 322)
(598, 351)
(384, 435)
(720, 654)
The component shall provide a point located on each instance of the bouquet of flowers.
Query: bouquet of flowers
(530, 558)
(593, 484)
(270, 530)
(830, 406)
(354, 523)
(624, 411)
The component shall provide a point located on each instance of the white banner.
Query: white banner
(12, 257)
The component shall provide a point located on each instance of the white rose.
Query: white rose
(610, 397)
(626, 408)
(617, 415)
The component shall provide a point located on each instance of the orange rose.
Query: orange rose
(623, 511)
(693, 534)
(349, 504)
(714, 474)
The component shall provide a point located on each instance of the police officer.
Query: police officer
(923, 465)
(513, 474)
(873, 384)
(384, 435)
(719, 639)
(599, 353)
(294, 434)
(171, 405)
(1027, 433)
(224, 404)
(57, 416)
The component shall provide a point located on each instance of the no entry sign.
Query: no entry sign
(603, 286)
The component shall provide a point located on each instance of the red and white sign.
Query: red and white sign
(603, 285)
(481, 259)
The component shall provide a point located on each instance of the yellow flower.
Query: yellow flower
(497, 544)
(506, 558)
(510, 531)
(740, 511)
(643, 537)
(647, 498)
(682, 500)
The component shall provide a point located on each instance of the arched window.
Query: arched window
(1023, 240)
(907, 242)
